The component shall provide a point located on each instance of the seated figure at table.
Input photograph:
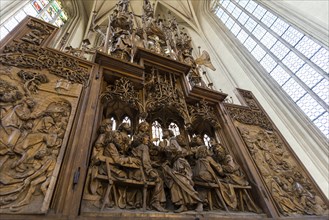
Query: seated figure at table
(207, 172)
(178, 174)
(142, 153)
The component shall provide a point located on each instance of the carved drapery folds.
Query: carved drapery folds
(189, 164)
(129, 172)
(290, 187)
(30, 144)
(32, 133)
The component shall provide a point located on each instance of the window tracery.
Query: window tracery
(127, 120)
(206, 140)
(174, 128)
(156, 132)
(297, 62)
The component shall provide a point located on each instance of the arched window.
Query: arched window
(298, 63)
(126, 120)
(206, 140)
(156, 132)
(114, 123)
(174, 128)
(50, 11)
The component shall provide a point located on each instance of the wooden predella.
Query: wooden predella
(137, 134)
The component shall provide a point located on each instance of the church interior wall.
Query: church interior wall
(242, 72)
(236, 69)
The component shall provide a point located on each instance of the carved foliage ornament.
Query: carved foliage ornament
(32, 80)
(205, 112)
(8, 92)
(250, 117)
(162, 92)
(30, 56)
(122, 90)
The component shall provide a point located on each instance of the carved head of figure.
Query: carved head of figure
(142, 138)
(105, 126)
(181, 140)
(212, 142)
(117, 138)
(125, 127)
(28, 125)
(57, 110)
(219, 151)
(201, 152)
(166, 133)
(197, 141)
(229, 160)
(145, 139)
(143, 127)
(277, 179)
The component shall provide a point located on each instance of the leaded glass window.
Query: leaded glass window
(298, 63)
(156, 132)
(114, 123)
(174, 128)
(50, 11)
(206, 140)
(127, 120)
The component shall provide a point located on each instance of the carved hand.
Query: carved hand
(134, 161)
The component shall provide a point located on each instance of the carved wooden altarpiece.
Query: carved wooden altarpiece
(125, 137)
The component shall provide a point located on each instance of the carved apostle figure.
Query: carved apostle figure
(233, 172)
(125, 130)
(179, 175)
(142, 152)
(98, 150)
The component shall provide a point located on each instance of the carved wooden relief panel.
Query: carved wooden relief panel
(291, 188)
(32, 31)
(39, 95)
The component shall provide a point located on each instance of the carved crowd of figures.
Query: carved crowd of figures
(129, 171)
(31, 136)
(292, 193)
(34, 117)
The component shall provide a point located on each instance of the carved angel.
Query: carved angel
(204, 60)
